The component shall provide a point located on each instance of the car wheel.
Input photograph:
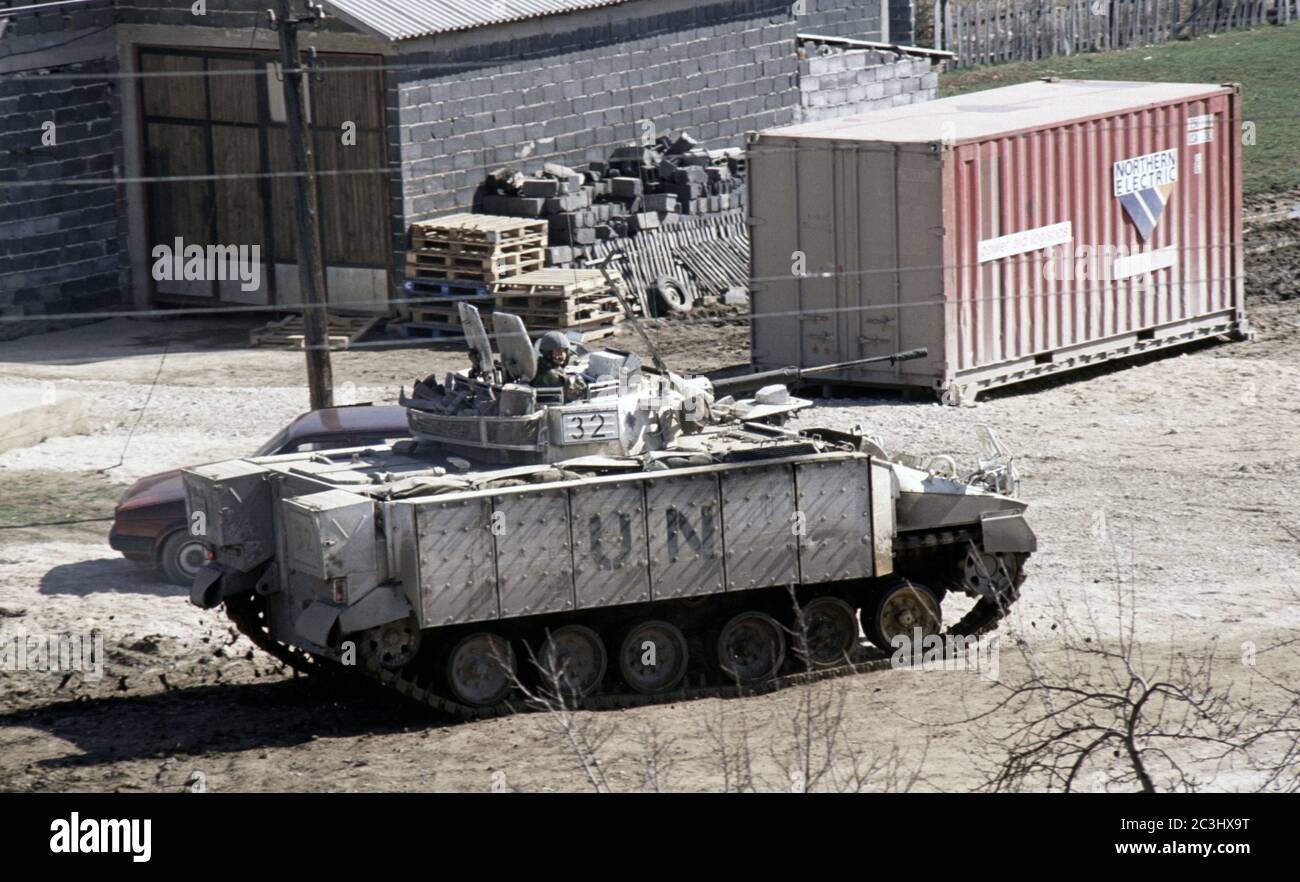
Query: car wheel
(181, 557)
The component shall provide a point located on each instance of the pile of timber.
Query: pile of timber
(571, 300)
(475, 248)
(458, 258)
(289, 332)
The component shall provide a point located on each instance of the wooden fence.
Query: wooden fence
(995, 31)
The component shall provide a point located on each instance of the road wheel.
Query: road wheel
(653, 657)
(481, 670)
(832, 631)
(392, 646)
(903, 608)
(576, 656)
(751, 648)
(181, 556)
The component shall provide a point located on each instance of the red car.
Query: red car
(149, 521)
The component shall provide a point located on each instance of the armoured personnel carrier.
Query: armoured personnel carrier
(640, 532)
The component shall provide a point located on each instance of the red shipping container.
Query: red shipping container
(1014, 232)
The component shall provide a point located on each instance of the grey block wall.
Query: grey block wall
(574, 93)
(843, 83)
(855, 19)
(62, 245)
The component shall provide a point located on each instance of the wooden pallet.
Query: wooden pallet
(553, 282)
(448, 289)
(451, 274)
(479, 249)
(560, 299)
(475, 248)
(340, 333)
(446, 315)
(439, 331)
(466, 274)
(562, 313)
(506, 264)
(480, 229)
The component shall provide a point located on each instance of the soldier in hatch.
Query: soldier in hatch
(554, 348)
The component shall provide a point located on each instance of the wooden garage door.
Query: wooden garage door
(213, 128)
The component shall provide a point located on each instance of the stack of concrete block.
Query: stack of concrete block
(836, 82)
(638, 189)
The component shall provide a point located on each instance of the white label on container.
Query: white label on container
(1200, 129)
(1145, 262)
(1145, 172)
(1026, 240)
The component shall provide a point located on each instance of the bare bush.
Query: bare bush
(816, 750)
(807, 738)
(813, 746)
(1096, 710)
(580, 735)
(656, 759)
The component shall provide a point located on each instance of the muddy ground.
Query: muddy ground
(1176, 475)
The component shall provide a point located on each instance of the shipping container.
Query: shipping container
(1013, 232)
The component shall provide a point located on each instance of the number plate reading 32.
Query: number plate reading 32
(587, 426)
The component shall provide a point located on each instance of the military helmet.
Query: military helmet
(553, 341)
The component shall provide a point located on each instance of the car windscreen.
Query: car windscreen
(275, 445)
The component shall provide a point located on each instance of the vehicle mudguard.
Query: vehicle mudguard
(379, 607)
(318, 623)
(214, 582)
(1007, 531)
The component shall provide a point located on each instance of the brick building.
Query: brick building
(414, 102)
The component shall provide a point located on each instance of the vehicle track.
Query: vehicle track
(247, 612)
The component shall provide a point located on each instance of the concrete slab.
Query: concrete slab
(30, 414)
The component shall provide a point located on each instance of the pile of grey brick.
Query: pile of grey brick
(843, 82)
(638, 189)
(571, 95)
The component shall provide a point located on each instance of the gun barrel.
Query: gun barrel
(789, 375)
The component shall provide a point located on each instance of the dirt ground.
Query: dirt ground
(1178, 473)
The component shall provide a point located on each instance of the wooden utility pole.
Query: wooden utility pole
(311, 272)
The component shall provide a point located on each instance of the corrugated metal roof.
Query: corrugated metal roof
(406, 19)
(978, 115)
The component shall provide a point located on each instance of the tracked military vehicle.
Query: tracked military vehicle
(643, 533)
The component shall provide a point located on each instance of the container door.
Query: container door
(819, 195)
(870, 246)
(774, 237)
(892, 251)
